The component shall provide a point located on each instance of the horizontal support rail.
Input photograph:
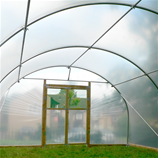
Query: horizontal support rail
(146, 74)
(66, 86)
(66, 108)
(55, 108)
(64, 80)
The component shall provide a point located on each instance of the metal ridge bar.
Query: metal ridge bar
(140, 116)
(23, 42)
(134, 78)
(48, 51)
(105, 33)
(81, 5)
(64, 80)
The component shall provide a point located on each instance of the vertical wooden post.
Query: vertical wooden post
(67, 116)
(88, 114)
(44, 114)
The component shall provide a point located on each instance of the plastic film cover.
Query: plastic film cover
(108, 116)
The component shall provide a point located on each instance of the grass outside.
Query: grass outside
(77, 151)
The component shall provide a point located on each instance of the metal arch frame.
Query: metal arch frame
(86, 81)
(82, 68)
(49, 51)
(24, 35)
(76, 6)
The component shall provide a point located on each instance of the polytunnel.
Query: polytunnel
(79, 72)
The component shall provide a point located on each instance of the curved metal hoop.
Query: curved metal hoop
(76, 6)
(97, 75)
(86, 47)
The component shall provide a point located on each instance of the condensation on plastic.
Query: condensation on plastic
(8, 81)
(154, 77)
(78, 26)
(112, 67)
(55, 127)
(77, 126)
(135, 37)
(108, 116)
(10, 54)
(21, 115)
(139, 132)
(13, 15)
(62, 57)
(142, 95)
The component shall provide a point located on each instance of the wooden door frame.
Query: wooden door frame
(44, 108)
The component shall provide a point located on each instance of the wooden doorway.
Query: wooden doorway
(66, 114)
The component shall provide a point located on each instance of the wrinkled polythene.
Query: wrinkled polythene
(57, 35)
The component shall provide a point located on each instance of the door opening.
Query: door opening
(66, 114)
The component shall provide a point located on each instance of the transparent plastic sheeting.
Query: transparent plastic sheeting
(129, 35)
(143, 96)
(80, 74)
(21, 114)
(62, 73)
(45, 7)
(16, 10)
(151, 4)
(77, 126)
(3, 98)
(78, 26)
(100, 62)
(10, 54)
(13, 15)
(8, 81)
(135, 37)
(139, 132)
(104, 64)
(108, 116)
(55, 127)
(53, 58)
(154, 77)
